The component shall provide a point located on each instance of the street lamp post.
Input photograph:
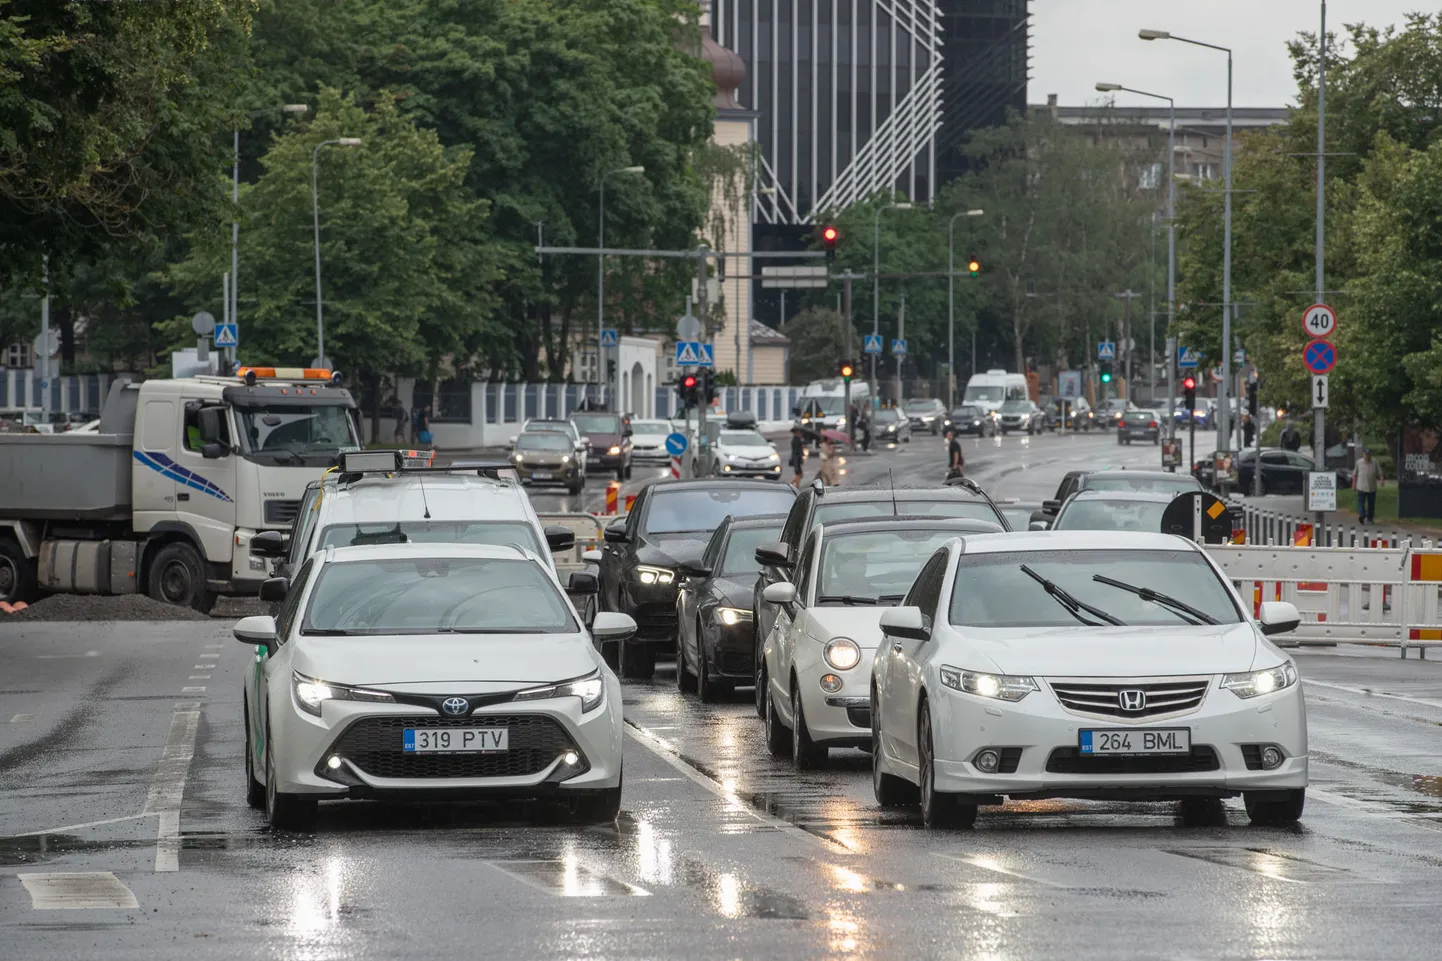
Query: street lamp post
(876, 277)
(951, 304)
(601, 267)
(1224, 425)
(315, 208)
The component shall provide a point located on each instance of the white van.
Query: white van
(994, 388)
(823, 403)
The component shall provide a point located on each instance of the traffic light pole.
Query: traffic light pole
(846, 318)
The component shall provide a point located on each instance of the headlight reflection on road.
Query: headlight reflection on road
(315, 911)
(728, 896)
(655, 855)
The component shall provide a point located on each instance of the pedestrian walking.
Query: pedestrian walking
(955, 459)
(798, 455)
(423, 432)
(401, 420)
(830, 472)
(1365, 481)
(1249, 430)
(1291, 438)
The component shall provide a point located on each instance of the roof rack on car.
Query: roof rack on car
(357, 464)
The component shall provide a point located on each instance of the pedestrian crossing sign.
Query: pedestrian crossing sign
(688, 353)
(226, 335)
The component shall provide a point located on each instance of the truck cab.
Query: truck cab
(994, 388)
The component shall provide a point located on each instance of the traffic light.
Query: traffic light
(686, 391)
(973, 265)
(829, 236)
(847, 370)
(708, 385)
(1189, 392)
(1106, 374)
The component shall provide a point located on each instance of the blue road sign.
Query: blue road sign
(1188, 357)
(707, 356)
(688, 353)
(676, 444)
(873, 344)
(1319, 356)
(608, 337)
(898, 347)
(227, 335)
(1106, 350)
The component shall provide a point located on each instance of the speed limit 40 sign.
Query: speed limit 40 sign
(1319, 321)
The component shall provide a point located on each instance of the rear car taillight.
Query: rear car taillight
(1152, 424)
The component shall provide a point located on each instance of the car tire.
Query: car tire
(285, 812)
(938, 809)
(630, 468)
(1276, 814)
(778, 738)
(760, 673)
(598, 807)
(254, 790)
(685, 681)
(621, 472)
(806, 754)
(17, 573)
(177, 576)
(891, 791)
(935, 430)
(638, 661)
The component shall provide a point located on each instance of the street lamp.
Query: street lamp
(1224, 425)
(315, 207)
(601, 265)
(951, 308)
(876, 276)
(1171, 228)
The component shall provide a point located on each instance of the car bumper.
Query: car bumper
(601, 461)
(559, 476)
(368, 740)
(1223, 730)
(733, 656)
(1140, 433)
(840, 718)
(654, 608)
(650, 453)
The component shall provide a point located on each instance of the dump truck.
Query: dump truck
(165, 497)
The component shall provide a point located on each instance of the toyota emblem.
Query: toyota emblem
(455, 706)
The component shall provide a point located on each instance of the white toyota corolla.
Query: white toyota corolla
(430, 671)
(1117, 666)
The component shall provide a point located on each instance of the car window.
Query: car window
(633, 519)
(651, 427)
(712, 553)
(495, 533)
(1159, 483)
(1274, 457)
(887, 415)
(991, 590)
(428, 595)
(1068, 485)
(305, 520)
(875, 566)
(803, 571)
(925, 593)
(792, 531)
(285, 619)
(1111, 515)
(976, 510)
(673, 511)
(742, 438)
(1297, 460)
(741, 549)
(597, 423)
(547, 441)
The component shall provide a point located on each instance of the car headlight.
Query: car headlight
(1261, 682)
(310, 693)
(774, 458)
(1001, 687)
(731, 616)
(565, 458)
(654, 575)
(842, 653)
(841, 422)
(615, 450)
(591, 689)
(518, 457)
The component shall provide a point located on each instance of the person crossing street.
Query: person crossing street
(955, 459)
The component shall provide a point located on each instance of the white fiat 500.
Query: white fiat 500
(429, 671)
(816, 664)
(1119, 666)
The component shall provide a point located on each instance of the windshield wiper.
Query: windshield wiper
(330, 632)
(1179, 608)
(1070, 603)
(847, 599)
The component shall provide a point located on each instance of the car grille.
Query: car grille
(1175, 696)
(1068, 760)
(656, 620)
(281, 513)
(374, 744)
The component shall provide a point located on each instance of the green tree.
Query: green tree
(818, 341)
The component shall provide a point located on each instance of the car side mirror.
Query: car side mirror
(693, 569)
(256, 629)
(612, 626)
(1050, 507)
(208, 419)
(213, 451)
(269, 544)
(773, 555)
(1038, 526)
(1279, 617)
(907, 622)
(274, 589)
(781, 592)
(583, 582)
(560, 538)
(616, 535)
(592, 556)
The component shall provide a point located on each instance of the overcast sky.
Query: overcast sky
(1076, 43)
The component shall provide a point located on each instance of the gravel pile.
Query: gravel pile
(90, 607)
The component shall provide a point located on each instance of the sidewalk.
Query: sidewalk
(1294, 506)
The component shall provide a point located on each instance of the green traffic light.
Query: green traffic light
(1106, 378)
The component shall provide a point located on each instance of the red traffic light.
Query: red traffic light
(1190, 383)
(829, 235)
(689, 382)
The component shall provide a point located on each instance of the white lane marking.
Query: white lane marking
(1365, 692)
(79, 890)
(21, 719)
(167, 787)
(992, 864)
(667, 753)
(61, 657)
(199, 677)
(192, 690)
(69, 828)
(203, 667)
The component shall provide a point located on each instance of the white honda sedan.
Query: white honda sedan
(436, 671)
(1115, 666)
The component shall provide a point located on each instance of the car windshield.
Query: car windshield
(741, 549)
(992, 590)
(920, 406)
(962, 413)
(976, 392)
(543, 440)
(650, 427)
(1139, 417)
(873, 567)
(430, 595)
(887, 415)
(1016, 406)
(597, 423)
(825, 405)
(1161, 483)
(742, 438)
(1111, 515)
(295, 433)
(549, 426)
(954, 507)
(677, 511)
(496, 533)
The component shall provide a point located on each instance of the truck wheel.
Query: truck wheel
(177, 576)
(17, 573)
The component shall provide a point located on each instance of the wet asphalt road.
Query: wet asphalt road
(120, 761)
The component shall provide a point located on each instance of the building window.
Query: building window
(583, 364)
(16, 355)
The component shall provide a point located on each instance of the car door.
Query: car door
(692, 591)
(616, 559)
(1277, 474)
(793, 530)
(306, 516)
(1299, 466)
(782, 640)
(906, 663)
(272, 665)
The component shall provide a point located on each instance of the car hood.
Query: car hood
(472, 661)
(649, 440)
(1116, 651)
(668, 550)
(752, 452)
(861, 624)
(735, 590)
